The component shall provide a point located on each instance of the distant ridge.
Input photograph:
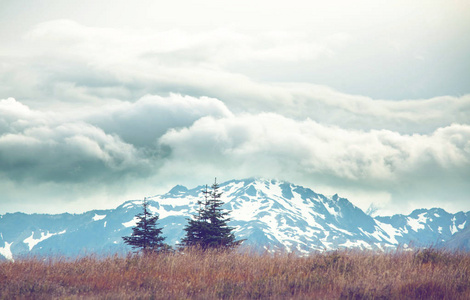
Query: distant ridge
(459, 241)
(271, 215)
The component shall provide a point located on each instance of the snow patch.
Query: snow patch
(305, 210)
(174, 202)
(384, 232)
(131, 223)
(391, 231)
(331, 210)
(453, 229)
(339, 229)
(247, 211)
(462, 226)
(31, 241)
(163, 213)
(357, 244)
(5, 251)
(234, 187)
(271, 191)
(98, 217)
(417, 224)
(324, 241)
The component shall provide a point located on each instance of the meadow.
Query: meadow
(424, 274)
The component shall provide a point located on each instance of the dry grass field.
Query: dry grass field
(425, 274)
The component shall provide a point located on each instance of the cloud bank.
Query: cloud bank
(370, 100)
(188, 139)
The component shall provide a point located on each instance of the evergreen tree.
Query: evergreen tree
(197, 226)
(208, 228)
(145, 235)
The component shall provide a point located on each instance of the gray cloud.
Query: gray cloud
(73, 151)
(116, 141)
(186, 139)
(143, 122)
(84, 157)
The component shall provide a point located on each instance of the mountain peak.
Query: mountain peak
(178, 189)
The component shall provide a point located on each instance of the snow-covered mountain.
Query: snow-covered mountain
(269, 214)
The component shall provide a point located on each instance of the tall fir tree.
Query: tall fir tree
(145, 235)
(197, 227)
(208, 228)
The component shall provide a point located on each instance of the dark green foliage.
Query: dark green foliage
(145, 235)
(208, 228)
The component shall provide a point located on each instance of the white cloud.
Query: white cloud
(381, 161)
(186, 140)
(272, 140)
(73, 63)
(68, 152)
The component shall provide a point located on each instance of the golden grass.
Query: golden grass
(427, 274)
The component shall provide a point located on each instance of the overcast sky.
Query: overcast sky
(102, 101)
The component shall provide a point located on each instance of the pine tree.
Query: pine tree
(145, 235)
(208, 228)
(197, 226)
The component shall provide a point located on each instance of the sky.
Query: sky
(107, 100)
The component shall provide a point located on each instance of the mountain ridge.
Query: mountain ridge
(270, 214)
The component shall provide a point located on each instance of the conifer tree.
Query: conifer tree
(145, 235)
(208, 228)
(197, 226)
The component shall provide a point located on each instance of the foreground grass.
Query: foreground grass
(427, 274)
